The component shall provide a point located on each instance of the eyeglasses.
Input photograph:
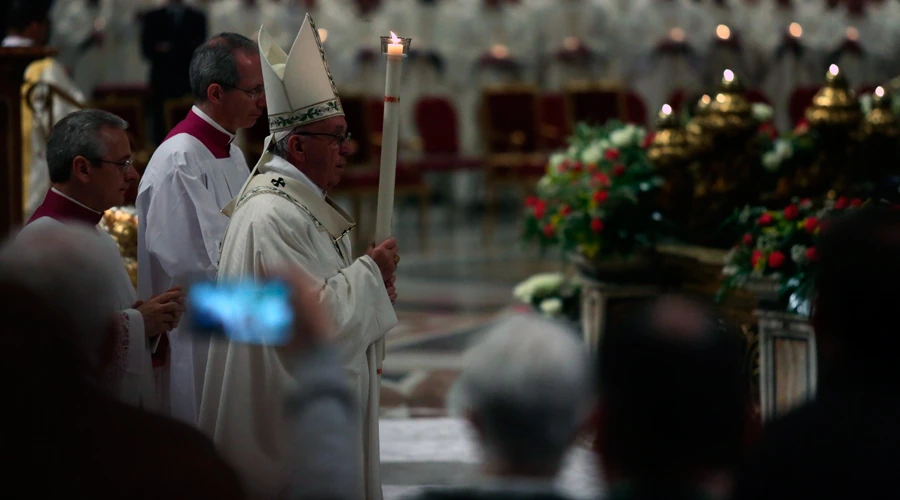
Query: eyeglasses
(253, 93)
(340, 138)
(123, 165)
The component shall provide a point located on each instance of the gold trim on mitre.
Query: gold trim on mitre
(299, 86)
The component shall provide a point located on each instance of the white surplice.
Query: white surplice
(132, 379)
(179, 202)
(282, 219)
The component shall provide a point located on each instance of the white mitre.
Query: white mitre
(299, 86)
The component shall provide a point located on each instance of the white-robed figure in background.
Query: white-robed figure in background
(236, 16)
(193, 174)
(281, 18)
(79, 31)
(90, 167)
(284, 218)
(577, 40)
(671, 37)
(354, 46)
(55, 95)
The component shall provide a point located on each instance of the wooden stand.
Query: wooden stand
(13, 62)
(787, 359)
(599, 299)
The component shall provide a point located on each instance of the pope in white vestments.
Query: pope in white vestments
(283, 218)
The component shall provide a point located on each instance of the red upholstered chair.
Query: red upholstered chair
(595, 104)
(676, 100)
(554, 122)
(801, 98)
(509, 115)
(360, 181)
(438, 129)
(635, 109)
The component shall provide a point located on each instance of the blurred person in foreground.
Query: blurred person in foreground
(526, 391)
(673, 404)
(846, 442)
(64, 432)
(89, 162)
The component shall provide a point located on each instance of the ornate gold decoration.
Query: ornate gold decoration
(122, 224)
(729, 110)
(881, 119)
(697, 137)
(835, 104)
(670, 145)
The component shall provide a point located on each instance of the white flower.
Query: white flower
(729, 270)
(798, 254)
(784, 149)
(538, 285)
(551, 307)
(638, 135)
(592, 154)
(621, 137)
(744, 216)
(572, 151)
(556, 159)
(865, 102)
(771, 161)
(762, 112)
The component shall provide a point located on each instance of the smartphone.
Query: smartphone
(242, 311)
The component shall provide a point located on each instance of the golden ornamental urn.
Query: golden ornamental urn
(122, 224)
(698, 138)
(881, 119)
(835, 105)
(670, 146)
(729, 110)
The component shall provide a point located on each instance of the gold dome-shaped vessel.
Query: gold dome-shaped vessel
(881, 119)
(698, 138)
(729, 109)
(670, 145)
(835, 104)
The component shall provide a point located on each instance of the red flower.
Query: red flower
(810, 224)
(764, 220)
(754, 258)
(748, 239)
(549, 230)
(806, 202)
(565, 210)
(596, 225)
(768, 129)
(591, 167)
(618, 170)
(531, 201)
(776, 259)
(648, 140)
(601, 179)
(791, 212)
(802, 127)
(856, 203)
(612, 154)
(576, 166)
(601, 196)
(811, 254)
(540, 208)
(841, 203)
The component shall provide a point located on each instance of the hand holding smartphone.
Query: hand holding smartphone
(252, 312)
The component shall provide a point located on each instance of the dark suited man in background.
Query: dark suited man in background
(168, 40)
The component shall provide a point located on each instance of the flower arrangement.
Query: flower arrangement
(779, 247)
(552, 294)
(597, 197)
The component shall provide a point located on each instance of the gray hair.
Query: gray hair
(528, 384)
(65, 265)
(214, 62)
(280, 147)
(78, 134)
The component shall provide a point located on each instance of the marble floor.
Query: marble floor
(450, 292)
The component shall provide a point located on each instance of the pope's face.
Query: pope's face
(247, 102)
(325, 153)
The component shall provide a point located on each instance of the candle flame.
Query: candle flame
(323, 34)
(834, 70)
(879, 91)
(729, 75)
(723, 32)
(666, 109)
(394, 38)
(795, 30)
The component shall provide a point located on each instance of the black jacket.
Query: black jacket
(168, 43)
